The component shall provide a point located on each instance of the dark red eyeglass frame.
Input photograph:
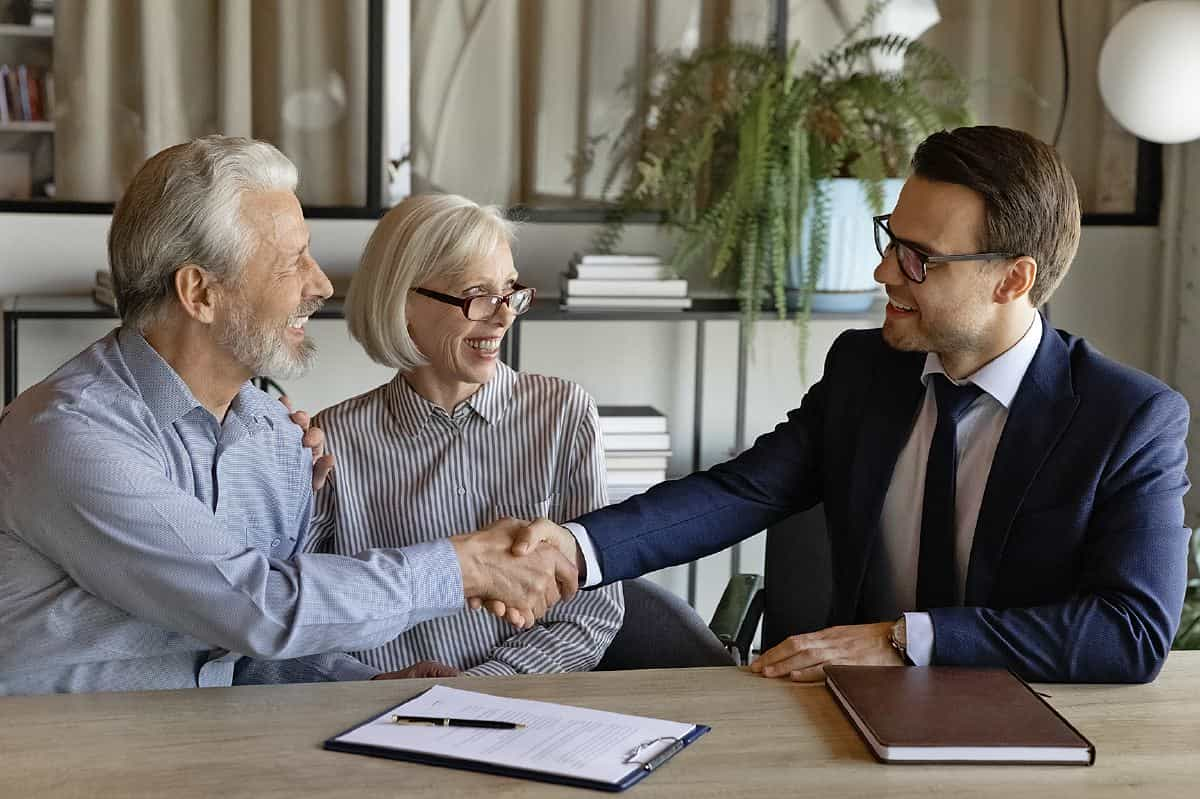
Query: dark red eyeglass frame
(465, 302)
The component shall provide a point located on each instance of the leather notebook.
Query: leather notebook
(950, 714)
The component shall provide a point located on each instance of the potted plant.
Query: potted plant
(745, 155)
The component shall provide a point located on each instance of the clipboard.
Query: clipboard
(378, 737)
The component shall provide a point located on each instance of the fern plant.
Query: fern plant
(733, 146)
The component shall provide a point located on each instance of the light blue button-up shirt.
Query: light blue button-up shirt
(145, 544)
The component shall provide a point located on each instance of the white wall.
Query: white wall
(1109, 297)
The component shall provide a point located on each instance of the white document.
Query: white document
(557, 740)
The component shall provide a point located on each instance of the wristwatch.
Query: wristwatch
(898, 638)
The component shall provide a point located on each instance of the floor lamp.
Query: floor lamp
(1150, 71)
(1150, 81)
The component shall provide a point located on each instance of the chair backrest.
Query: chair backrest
(798, 572)
(661, 631)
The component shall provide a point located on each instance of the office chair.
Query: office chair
(661, 631)
(793, 595)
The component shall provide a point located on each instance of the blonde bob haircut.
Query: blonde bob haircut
(425, 236)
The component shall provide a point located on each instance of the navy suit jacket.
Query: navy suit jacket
(1078, 567)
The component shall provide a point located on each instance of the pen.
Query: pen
(441, 722)
(664, 755)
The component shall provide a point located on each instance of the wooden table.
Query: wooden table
(770, 738)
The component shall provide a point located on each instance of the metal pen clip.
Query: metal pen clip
(632, 757)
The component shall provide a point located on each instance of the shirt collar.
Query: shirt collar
(168, 396)
(1000, 377)
(161, 387)
(489, 403)
(493, 396)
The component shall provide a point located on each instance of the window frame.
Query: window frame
(1147, 200)
(374, 206)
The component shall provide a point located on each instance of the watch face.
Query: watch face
(899, 635)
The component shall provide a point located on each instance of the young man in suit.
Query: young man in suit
(997, 492)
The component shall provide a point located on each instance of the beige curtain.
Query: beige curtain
(506, 93)
(1179, 312)
(1009, 50)
(135, 76)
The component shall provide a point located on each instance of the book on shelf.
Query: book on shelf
(648, 459)
(622, 259)
(627, 303)
(950, 714)
(16, 177)
(582, 287)
(12, 90)
(631, 419)
(102, 289)
(6, 112)
(634, 442)
(620, 272)
(104, 296)
(37, 111)
(23, 94)
(41, 13)
(636, 477)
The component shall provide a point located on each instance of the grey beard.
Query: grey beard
(263, 350)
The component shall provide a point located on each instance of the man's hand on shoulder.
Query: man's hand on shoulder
(422, 668)
(803, 657)
(314, 439)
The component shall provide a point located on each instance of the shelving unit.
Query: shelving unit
(26, 127)
(31, 31)
(33, 46)
(533, 326)
(702, 312)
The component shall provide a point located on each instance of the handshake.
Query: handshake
(517, 570)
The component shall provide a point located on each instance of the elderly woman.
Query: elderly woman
(458, 439)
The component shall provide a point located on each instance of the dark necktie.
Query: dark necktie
(935, 572)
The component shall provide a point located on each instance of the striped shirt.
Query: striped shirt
(408, 472)
(146, 544)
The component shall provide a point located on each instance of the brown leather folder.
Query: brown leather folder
(948, 714)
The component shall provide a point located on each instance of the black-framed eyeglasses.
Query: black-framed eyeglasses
(482, 307)
(914, 262)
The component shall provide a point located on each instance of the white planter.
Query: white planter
(846, 279)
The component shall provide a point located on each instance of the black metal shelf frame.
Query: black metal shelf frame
(702, 312)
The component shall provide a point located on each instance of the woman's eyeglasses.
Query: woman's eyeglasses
(914, 262)
(482, 307)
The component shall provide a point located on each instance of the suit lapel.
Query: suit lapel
(891, 405)
(1040, 412)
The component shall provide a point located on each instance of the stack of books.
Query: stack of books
(102, 291)
(637, 282)
(637, 447)
(26, 94)
(41, 13)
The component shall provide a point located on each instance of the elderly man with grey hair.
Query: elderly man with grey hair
(154, 505)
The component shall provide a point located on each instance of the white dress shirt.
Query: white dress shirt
(892, 583)
(977, 435)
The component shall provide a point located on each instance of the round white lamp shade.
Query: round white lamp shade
(1150, 71)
